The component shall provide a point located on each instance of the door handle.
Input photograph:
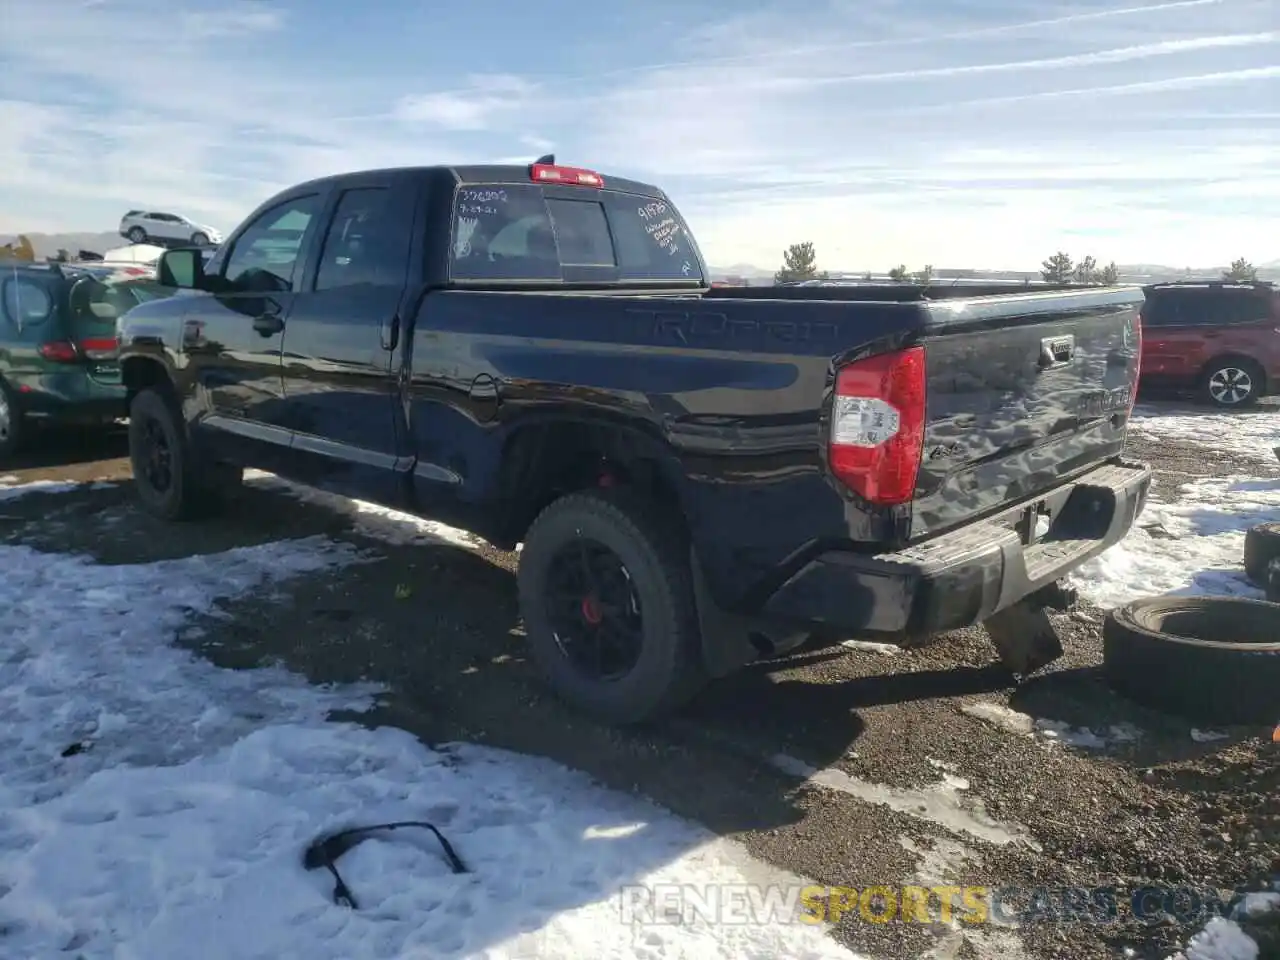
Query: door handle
(268, 324)
(391, 333)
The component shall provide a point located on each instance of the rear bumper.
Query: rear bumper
(964, 576)
(70, 397)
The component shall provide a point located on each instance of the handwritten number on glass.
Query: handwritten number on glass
(482, 196)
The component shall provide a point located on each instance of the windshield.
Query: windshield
(516, 232)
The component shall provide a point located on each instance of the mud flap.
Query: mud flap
(726, 637)
(1024, 638)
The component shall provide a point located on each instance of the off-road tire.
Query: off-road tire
(199, 489)
(653, 549)
(1215, 660)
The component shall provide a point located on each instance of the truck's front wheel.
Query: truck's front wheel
(607, 602)
(169, 482)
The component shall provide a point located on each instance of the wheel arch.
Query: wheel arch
(140, 373)
(548, 457)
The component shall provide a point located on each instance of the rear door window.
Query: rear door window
(516, 232)
(1205, 307)
(368, 241)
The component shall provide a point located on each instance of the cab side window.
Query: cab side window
(367, 243)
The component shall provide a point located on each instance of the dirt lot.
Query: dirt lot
(916, 781)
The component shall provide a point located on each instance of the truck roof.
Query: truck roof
(483, 173)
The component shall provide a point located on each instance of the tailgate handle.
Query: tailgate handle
(1056, 351)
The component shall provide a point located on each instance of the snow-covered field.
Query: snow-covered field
(153, 805)
(1190, 540)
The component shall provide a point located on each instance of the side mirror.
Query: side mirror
(181, 268)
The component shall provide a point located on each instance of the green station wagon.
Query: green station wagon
(58, 344)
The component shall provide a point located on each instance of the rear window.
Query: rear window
(1205, 306)
(516, 232)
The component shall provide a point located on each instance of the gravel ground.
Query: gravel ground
(439, 625)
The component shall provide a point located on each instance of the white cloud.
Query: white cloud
(942, 132)
(489, 100)
(990, 145)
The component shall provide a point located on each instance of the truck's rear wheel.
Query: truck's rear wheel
(607, 602)
(170, 483)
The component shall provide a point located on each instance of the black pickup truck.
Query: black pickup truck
(699, 477)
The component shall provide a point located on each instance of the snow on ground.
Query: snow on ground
(1251, 435)
(153, 805)
(1195, 545)
(12, 491)
(1050, 732)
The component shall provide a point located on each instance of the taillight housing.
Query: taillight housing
(100, 348)
(877, 426)
(1137, 360)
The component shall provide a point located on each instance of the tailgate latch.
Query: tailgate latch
(1055, 351)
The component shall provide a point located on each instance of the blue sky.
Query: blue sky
(950, 132)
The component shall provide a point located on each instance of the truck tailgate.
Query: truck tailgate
(1023, 392)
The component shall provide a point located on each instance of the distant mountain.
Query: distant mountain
(48, 244)
(746, 270)
(1129, 272)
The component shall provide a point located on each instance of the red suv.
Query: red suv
(1218, 338)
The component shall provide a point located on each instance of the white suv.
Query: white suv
(141, 226)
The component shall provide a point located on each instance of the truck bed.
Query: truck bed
(737, 388)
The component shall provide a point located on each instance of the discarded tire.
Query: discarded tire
(1273, 581)
(1215, 660)
(1261, 546)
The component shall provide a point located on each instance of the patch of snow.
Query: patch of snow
(1206, 736)
(1050, 731)
(871, 646)
(154, 805)
(14, 492)
(1224, 938)
(939, 804)
(999, 715)
(1221, 939)
(1251, 436)
(1255, 904)
(943, 863)
(1194, 546)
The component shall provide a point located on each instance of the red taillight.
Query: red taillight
(1137, 360)
(99, 347)
(877, 426)
(574, 176)
(60, 351)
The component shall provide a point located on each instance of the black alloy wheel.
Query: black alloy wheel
(594, 610)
